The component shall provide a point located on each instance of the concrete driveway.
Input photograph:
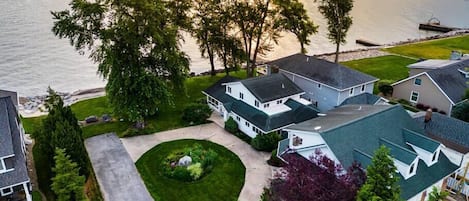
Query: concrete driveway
(115, 171)
(258, 172)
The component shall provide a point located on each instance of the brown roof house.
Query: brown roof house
(440, 84)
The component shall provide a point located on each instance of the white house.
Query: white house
(325, 84)
(353, 132)
(14, 179)
(260, 105)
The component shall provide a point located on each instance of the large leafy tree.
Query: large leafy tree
(319, 178)
(461, 111)
(295, 19)
(136, 46)
(67, 183)
(337, 13)
(381, 181)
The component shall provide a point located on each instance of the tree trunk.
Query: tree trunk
(337, 53)
(258, 39)
(212, 63)
(303, 50)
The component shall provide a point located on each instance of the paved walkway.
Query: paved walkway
(116, 173)
(258, 172)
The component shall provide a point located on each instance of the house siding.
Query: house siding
(325, 96)
(429, 94)
(343, 95)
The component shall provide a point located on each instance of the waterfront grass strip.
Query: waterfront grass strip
(436, 49)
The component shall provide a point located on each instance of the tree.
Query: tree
(67, 184)
(136, 46)
(461, 111)
(295, 20)
(436, 195)
(466, 94)
(381, 181)
(337, 13)
(318, 178)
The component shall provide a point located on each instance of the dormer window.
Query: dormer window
(228, 89)
(256, 103)
(351, 92)
(279, 101)
(363, 88)
(241, 96)
(434, 156)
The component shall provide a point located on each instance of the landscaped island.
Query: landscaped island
(223, 181)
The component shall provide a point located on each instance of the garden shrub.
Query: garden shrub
(202, 163)
(419, 106)
(196, 113)
(434, 109)
(265, 142)
(274, 160)
(384, 86)
(403, 102)
(231, 126)
(195, 170)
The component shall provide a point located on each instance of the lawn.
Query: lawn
(168, 117)
(224, 182)
(436, 49)
(391, 68)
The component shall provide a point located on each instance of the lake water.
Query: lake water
(32, 58)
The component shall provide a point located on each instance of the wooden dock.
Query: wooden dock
(436, 27)
(366, 43)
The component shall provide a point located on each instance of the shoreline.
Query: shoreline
(33, 106)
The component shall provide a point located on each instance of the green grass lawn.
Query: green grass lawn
(392, 68)
(36, 196)
(436, 49)
(168, 117)
(224, 182)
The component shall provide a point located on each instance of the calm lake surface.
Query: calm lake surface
(32, 58)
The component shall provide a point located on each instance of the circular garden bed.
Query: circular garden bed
(191, 170)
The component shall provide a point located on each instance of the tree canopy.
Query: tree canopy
(67, 184)
(136, 46)
(381, 181)
(461, 111)
(337, 13)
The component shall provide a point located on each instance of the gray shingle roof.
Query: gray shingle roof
(357, 131)
(450, 80)
(298, 112)
(328, 73)
(451, 132)
(364, 98)
(12, 94)
(271, 87)
(20, 173)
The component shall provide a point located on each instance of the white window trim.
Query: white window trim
(363, 88)
(256, 103)
(415, 80)
(410, 99)
(228, 90)
(8, 193)
(2, 166)
(319, 85)
(350, 93)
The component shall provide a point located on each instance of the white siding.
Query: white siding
(324, 150)
(237, 88)
(309, 139)
(356, 91)
(425, 155)
(404, 169)
(242, 125)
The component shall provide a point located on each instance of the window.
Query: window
(363, 88)
(418, 81)
(411, 169)
(414, 97)
(241, 95)
(247, 124)
(279, 101)
(319, 86)
(256, 103)
(238, 119)
(229, 89)
(351, 92)
(266, 105)
(7, 191)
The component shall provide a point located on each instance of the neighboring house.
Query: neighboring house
(353, 132)
(13, 95)
(14, 179)
(326, 84)
(440, 84)
(260, 105)
(365, 99)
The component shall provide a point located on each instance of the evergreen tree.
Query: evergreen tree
(381, 182)
(136, 46)
(461, 111)
(436, 195)
(67, 184)
(337, 13)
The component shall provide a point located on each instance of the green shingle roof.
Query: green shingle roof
(400, 153)
(421, 141)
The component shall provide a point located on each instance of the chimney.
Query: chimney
(428, 115)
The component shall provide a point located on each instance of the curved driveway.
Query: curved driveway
(258, 172)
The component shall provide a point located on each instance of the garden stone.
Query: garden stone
(185, 161)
